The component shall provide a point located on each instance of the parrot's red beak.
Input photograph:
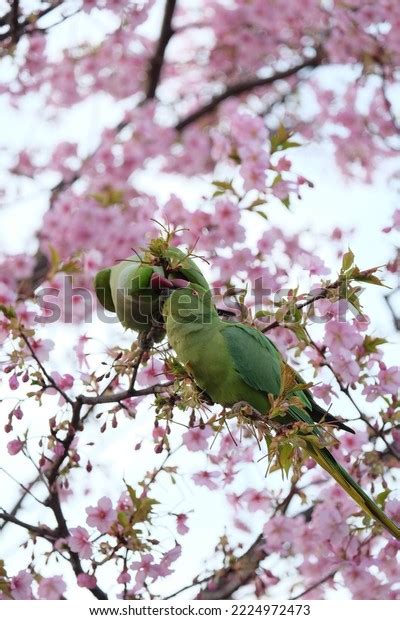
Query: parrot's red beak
(159, 283)
(179, 283)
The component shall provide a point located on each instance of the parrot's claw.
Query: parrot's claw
(241, 408)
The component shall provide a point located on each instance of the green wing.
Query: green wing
(254, 357)
(259, 364)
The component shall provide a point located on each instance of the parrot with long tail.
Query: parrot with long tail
(235, 363)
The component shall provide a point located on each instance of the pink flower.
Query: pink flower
(79, 542)
(17, 412)
(341, 337)
(80, 351)
(124, 577)
(146, 567)
(353, 443)
(371, 392)
(13, 382)
(278, 531)
(204, 479)
(181, 526)
(124, 503)
(22, 266)
(92, 262)
(389, 379)
(101, 516)
(64, 382)
(152, 373)
(15, 446)
(241, 525)
(323, 391)
(195, 439)
(21, 586)
(169, 558)
(392, 508)
(86, 581)
(52, 588)
(312, 264)
(346, 368)
(256, 500)
(42, 348)
(7, 296)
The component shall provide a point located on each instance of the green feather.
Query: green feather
(103, 290)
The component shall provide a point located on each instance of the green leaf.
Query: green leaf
(382, 497)
(285, 457)
(280, 140)
(370, 279)
(276, 180)
(348, 261)
(123, 519)
(260, 313)
(8, 311)
(132, 494)
(144, 507)
(371, 344)
(256, 203)
(223, 185)
(54, 258)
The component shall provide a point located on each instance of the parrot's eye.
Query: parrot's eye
(195, 294)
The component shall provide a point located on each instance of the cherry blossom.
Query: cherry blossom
(21, 586)
(52, 588)
(86, 581)
(14, 446)
(79, 542)
(206, 479)
(195, 439)
(101, 516)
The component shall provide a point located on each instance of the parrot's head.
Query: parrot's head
(189, 303)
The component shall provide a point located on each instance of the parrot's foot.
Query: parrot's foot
(147, 339)
(247, 414)
(242, 408)
(206, 398)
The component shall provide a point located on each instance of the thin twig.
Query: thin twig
(49, 378)
(245, 86)
(41, 531)
(314, 585)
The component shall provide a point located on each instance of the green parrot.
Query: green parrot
(133, 287)
(235, 363)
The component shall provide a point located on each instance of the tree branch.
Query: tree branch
(18, 505)
(314, 585)
(41, 531)
(226, 582)
(244, 87)
(124, 395)
(49, 378)
(157, 61)
(17, 29)
(313, 298)
(14, 26)
(54, 504)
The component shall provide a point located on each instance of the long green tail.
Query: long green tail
(325, 459)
